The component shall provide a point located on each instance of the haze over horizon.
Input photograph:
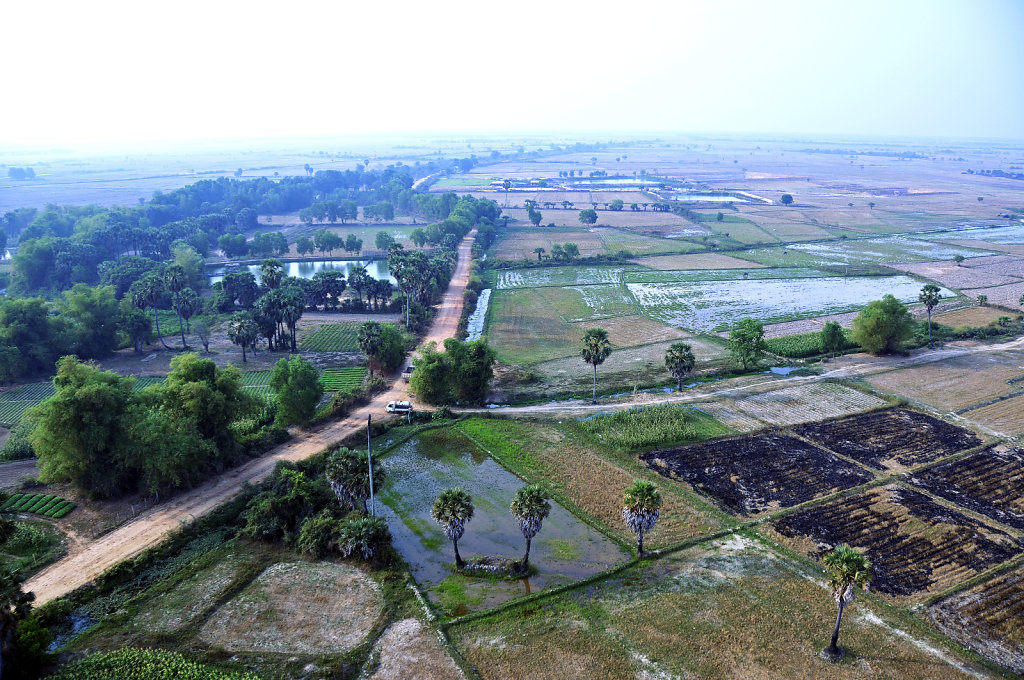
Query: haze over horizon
(118, 73)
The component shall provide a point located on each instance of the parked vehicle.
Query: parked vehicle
(399, 407)
(407, 373)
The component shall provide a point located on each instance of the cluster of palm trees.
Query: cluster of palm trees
(149, 290)
(596, 347)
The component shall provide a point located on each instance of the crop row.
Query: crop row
(804, 345)
(14, 402)
(38, 504)
(335, 379)
(335, 337)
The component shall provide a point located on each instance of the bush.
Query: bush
(144, 664)
(318, 536)
(17, 446)
(443, 413)
(367, 538)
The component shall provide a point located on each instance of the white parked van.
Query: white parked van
(399, 407)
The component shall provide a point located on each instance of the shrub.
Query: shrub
(144, 664)
(17, 446)
(367, 538)
(883, 326)
(442, 413)
(318, 536)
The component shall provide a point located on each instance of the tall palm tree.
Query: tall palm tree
(452, 509)
(348, 473)
(506, 185)
(929, 297)
(146, 292)
(271, 273)
(370, 338)
(187, 303)
(242, 331)
(530, 507)
(848, 570)
(679, 360)
(176, 279)
(540, 252)
(596, 348)
(641, 507)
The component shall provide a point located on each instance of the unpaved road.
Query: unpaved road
(153, 526)
(12, 473)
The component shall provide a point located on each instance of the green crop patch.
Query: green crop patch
(38, 504)
(335, 337)
(14, 402)
(342, 379)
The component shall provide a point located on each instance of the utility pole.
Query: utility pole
(369, 461)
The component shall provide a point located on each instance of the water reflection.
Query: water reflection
(378, 269)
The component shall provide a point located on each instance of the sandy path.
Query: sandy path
(151, 527)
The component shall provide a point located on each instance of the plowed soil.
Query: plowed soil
(752, 474)
(915, 545)
(891, 439)
(987, 618)
(990, 482)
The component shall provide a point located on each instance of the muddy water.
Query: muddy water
(566, 549)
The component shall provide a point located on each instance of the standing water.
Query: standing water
(475, 326)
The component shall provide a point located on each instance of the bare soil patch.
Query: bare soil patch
(12, 474)
(409, 650)
(990, 482)
(972, 273)
(750, 475)
(987, 618)
(891, 439)
(298, 608)
(1005, 296)
(916, 545)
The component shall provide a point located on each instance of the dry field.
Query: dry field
(298, 608)
(1005, 296)
(894, 439)
(805, 403)
(632, 331)
(179, 607)
(605, 218)
(695, 261)
(751, 475)
(519, 244)
(956, 383)
(1006, 416)
(969, 316)
(916, 546)
(987, 618)
(975, 272)
(409, 650)
(643, 365)
(586, 480)
(990, 482)
(726, 413)
(1010, 248)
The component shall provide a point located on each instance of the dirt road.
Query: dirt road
(12, 473)
(151, 527)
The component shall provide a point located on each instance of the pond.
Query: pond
(378, 269)
(566, 549)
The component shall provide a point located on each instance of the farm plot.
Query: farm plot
(519, 244)
(696, 276)
(1003, 416)
(987, 618)
(990, 482)
(298, 608)
(857, 252)
(584, 303)
(917, 547)
(955, 383)
(805, 403)
(696, 261)
(754, 474)
(334, 337)
(557, 276)
(973, 274)
(729, 609)
(969, 316)
(178, 607)
(14, 402)
(342, 379)
(718, 305)
(893, 439)
(1006, 296)
(616, 240)
(524, 329)
(257, 382)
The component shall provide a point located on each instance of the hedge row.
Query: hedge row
(38, 504)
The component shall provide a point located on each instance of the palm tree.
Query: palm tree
(506, 185)
(452, 509)
(641, 507)
(540, 252)
(530, 507)
(176, 279)
(243, 331)
(929, 297)
(596, 349)
(369, 337)
(679, 360)
(271, 273)
(348, 473)
(188, 303)
(147, 293)
(848, 570)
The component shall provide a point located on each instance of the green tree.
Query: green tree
(348, 473)
(296, 383)
(176, 280)
(929, 297)
(641, 507)
(202, 328)
(848, 570)
(391, 351)
(90, 316)
(136, 324)
(462, 373)
(358, 278)
(243, 331)
(369, 337)
(540, 252)
(506, 185)
(271, 273)
(15, 605)
(832, 338)
(452, 509)
(959, 259)
(534, 216)
(147, 292)
(383, 240)
(787, 199)
(883, 326)
(679, 361)
(187, 303)
(418, 236)
(746, 342)
(588, 216)
(571, 250)
(304, 246)
(982, 300)
(530, 508)
(596, 348)
(616, 204)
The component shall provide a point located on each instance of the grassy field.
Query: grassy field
(342, 378)
(334, 337)
(955, 384)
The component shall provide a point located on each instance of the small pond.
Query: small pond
(378, 269)
(566, 549)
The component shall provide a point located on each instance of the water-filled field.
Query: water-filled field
(857, 252)
(378, 269)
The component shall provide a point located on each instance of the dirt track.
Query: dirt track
(151, 527)
(12, 473)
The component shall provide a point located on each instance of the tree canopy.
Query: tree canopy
(883, 326)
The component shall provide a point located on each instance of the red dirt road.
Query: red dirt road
(153, 526)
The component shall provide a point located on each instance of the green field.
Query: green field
(335, 379)
(14, 402)
(335, 337)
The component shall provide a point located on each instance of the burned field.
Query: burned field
(987, 618)
(890, 439)
(916, 545)
(749, 475)
(989, 482)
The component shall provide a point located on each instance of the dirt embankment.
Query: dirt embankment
(151, 527)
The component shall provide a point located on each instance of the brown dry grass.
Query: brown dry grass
(630, 331)
(696, 261)
(806, 403)
(518, 245)
(298, 608)
(1007, 296)
(953, 384)
(976, 272)
(409, 650)
(1006, 417)
(969, 316)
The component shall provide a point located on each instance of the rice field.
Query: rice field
(1003, 416)
(851, 252)
(342, 379)
(557, 276)
(335, 337)
(696, 261)
(14, 402)
(806, 403)
(955, 383)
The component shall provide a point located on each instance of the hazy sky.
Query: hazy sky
(83, 72)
